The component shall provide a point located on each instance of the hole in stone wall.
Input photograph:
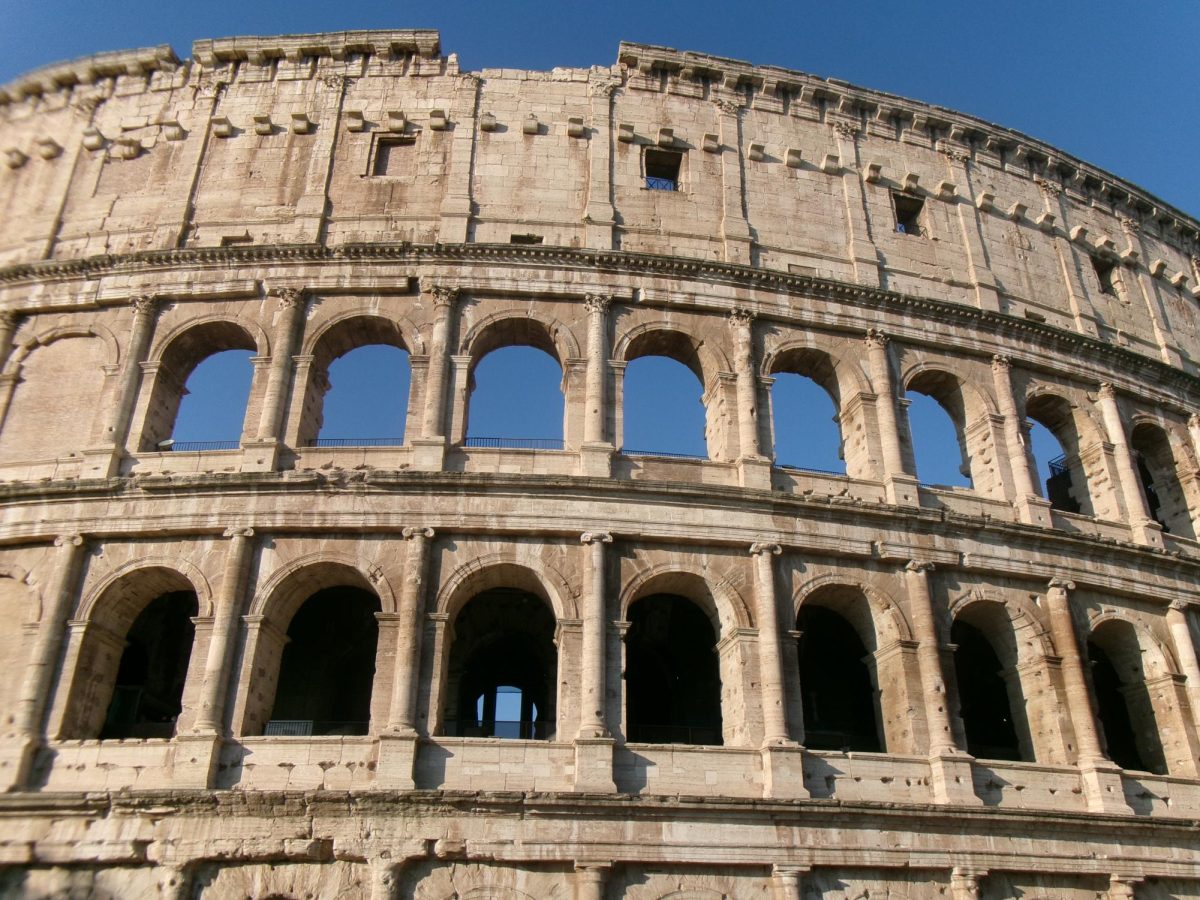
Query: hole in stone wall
(1112, 708)
(807, 431)
(662, 168)
(1107, 276)
(393, 156)
(835, 684)
(983, 696)
(908, 214)
(516, 400)
(367, 401)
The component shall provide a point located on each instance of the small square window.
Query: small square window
(662, 169)
(908, 214)
(1106, 274)
(391, 156)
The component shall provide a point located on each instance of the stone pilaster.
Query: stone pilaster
(600, 216)
(590, 878)
(964, 883)
(1031, 506)
(593, 744)
(430, 447)
(901, 487)
(1185, 652)
(958, 162)
(108, 456)
(262, 454)
(1082, 310)
(787, 882)
(735, 230)
(754, 468)
(864, 256)
(455, 217)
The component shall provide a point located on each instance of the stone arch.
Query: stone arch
(1157, 651)
(112, 350)
(514, 327)
(720, 600)
(663, 337)
(407, 335)
(832, 367)
(1166, 468)
(1082, 439)
(937, 376)
(498, 569)
(693, 894)
(293, 582)
(884, 610)
(1031, 633)
(184, 568)
(255, 337)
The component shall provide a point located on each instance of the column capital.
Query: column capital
(1181, 605)
(592, 865)
(765, 547)
(1107, 391)
(604, 87)
(443, 296)
(8, 317)
(289, 297)
(1194, 420)
(1062, 584)
(1001, 362)
(415, 531)
(595, 537)
(64, 539)
(920, 566)
(741, 317)
(876, 339)
(144, 304)
(238, 531)
(847, 130)
(597, 304)
(728, 106)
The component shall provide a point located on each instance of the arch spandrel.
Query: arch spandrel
(516, 327)
(43, 338)
(286, 588)
(507, 569)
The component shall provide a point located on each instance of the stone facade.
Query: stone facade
(300, 196)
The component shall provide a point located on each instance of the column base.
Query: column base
(1147, 533)
(738, 249)
(428, 454)
(102, 462)
(397, 761)
(1103, 788)
(952, 780)
(1034, 511)
(754, 472)
(783, 772)
(260, 456)
(17, 755)
(594, 765)
(901, 490)
(196, 759)
(598, 235)
(595, 459)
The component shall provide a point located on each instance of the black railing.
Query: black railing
(313, 727)
(704, 735)
(664, 453)
(508, 729)
(193, 446)
(357, 442)
(513, 443)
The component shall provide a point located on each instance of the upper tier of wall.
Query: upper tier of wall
(363, 137)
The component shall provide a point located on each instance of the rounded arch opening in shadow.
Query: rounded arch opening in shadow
(502, 675)
(836, 683)
(367, 399)
(516, 399)
(328, 665)
(1158, 471)
(672, 673)
(1128, 721)
(985, 705)
(1056, 445)
(147, 695)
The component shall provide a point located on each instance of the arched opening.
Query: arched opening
(1057, 450)
(841, 709)
(54, 401)
(502, 675)
(985, 705)
(328, 665)
(936, 420)
(806, 424)
(1129, 725)
(147, 697)
(1158, 471)
(516, 400)
(663, 412)
(358, 387)
(672, 674)
(201, 390)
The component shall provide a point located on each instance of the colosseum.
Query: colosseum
(450, 665)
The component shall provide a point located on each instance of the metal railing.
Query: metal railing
(193, 446)
(1058, 465)
(357, 442)
(311, 727)
(511, 443)
(703, 735)
(791, 468)
(508, 729)
(654, 183)
(664, 453)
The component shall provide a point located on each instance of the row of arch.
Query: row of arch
(313, 641)
(520, 384)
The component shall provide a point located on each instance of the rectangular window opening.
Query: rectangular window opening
(1106, 274)
(908, 214)
(662, 169)
(391, 156)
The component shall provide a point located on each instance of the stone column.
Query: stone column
(1058, 206)
(964, 883)
(1137, 512)
(595, 456)
(775, 729)
(291, 302)
(1122, 887)
(1101, 779)
(402, 709)
(1031, 506)
(958, 161)
(755, 469)
(593, 745)
(210, 717)
(788, 881)
(590, 878)
(901, 487)
(109, 455)
(8, 327)
(57, 602)
(1185, 651)
(431, 445)
(599, 216)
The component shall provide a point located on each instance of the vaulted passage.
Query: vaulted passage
(672, 674)
(148, 695)
(983, 696)
(503, 671)
(1124, 703)
(328, 665)
(1119, 739)
(835, 684)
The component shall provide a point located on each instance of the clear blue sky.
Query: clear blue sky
(1113, 83)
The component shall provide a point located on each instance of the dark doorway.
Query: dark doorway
(983, 696)
(148, 695)
(328, 665)
(672, 674)
(835, 684)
